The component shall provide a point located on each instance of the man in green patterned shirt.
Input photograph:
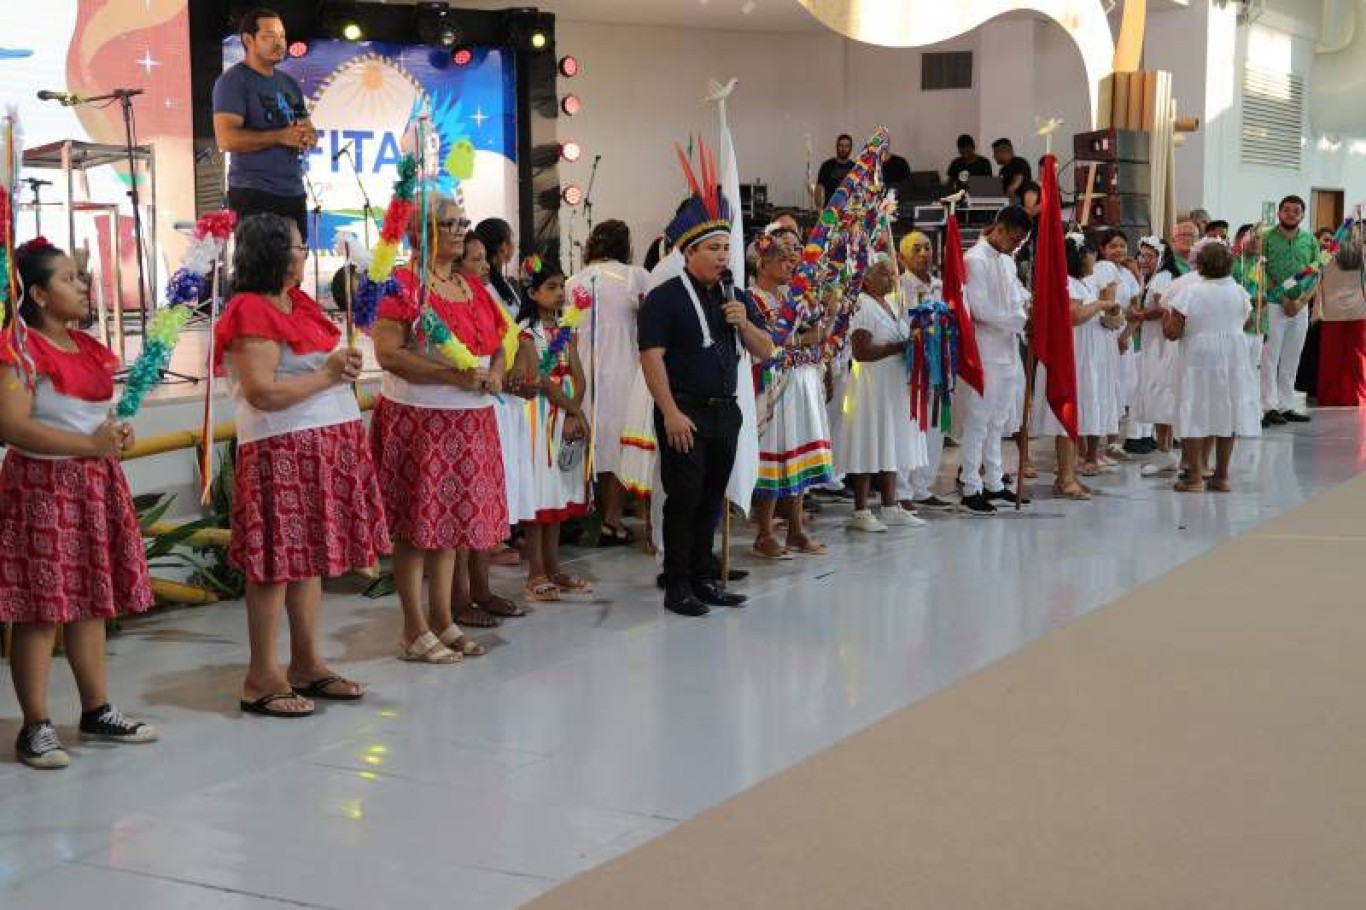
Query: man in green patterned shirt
(1288, 249)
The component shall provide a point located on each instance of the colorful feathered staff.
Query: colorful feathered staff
(184, 289)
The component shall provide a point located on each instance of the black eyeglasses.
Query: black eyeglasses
(454, 224)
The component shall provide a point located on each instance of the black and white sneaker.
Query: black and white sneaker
(106, 723)
(933, 504)
(977, 505)
(1005, 494)
(38, 747)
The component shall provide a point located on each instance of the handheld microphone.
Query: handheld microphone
(344, 150)
(66, 99)
(728, 292)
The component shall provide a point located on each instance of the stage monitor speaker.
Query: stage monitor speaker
(1120, 209)
(929, 216)
(925, 186)
(1110, 145)
(1111, 177)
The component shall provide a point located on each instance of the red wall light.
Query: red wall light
(569, 67)
(571, 104)
(298, 49)
(570, 150)
(571, 194)
(462, 56)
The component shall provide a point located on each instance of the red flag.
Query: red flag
(1051, 337)
(969, 359)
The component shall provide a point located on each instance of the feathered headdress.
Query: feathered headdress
(706, 212)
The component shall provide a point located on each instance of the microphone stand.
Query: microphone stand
(36, 186)
(314, 234)
(367, 208)
(588, 193)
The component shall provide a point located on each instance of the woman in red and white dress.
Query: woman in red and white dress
(305, 501)
(71, 552)
(435, 438)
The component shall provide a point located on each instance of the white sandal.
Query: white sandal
(428, 649)
(459, 643)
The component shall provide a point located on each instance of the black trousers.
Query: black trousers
(246, 202)
(695, 486)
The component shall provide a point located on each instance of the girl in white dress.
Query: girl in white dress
(1096, 346)
(1157, 356)
(1087, 340)
(876, 437)
(1216, 389)
(607, 350)
(556, 419)
(1115, 260)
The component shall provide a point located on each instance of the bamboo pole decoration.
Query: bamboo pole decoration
(1129, 48)
(206, 442)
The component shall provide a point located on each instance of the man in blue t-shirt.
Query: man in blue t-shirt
(260, 117)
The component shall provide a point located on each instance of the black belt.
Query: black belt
(703, 401)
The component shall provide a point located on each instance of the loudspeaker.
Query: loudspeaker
(1119, 209)
(1110, 145)
(1112, 177)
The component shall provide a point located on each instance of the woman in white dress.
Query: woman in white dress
(1095, 342)
(607, 350)
(1157, 356)
(876, 437)
(1088, 338)
(1216, 389)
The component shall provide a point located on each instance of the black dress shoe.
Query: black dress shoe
(735, 575)
(1272, 419)
(680, 600)
(709, 594)
(1294, 417)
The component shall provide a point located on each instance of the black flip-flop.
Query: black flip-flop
(477, 617)
(319, 689)
(501, 606)
(609, 536)
(262, 706)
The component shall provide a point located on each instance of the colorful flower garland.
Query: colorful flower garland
(183, 289)
(570, 320)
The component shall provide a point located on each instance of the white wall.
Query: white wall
(641, 89)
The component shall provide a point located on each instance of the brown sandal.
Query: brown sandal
(501, 607)
(769, 548)
(571, 583)
(1189, 486)
(1220, 485)
(541, 589)
(807, 546)
(1073, 490)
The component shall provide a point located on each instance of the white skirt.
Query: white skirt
(1157, 365)
(1216, 388)
(636, 468)
(510, 412)
(556, 494)
(876, 431)
(794, 448)
(1097, 357)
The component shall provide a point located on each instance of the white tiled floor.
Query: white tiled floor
(592, 726)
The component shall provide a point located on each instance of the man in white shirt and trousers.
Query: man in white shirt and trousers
(996, 302)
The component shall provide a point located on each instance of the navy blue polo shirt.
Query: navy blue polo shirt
(264, 103)
(668, 320)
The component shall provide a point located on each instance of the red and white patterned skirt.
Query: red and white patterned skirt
(440, 475)
(70, 546)
(306, 505)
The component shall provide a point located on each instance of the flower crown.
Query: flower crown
(32, 246)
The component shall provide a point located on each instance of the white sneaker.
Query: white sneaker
(896, 516)
(1162, 463)
(864, 520)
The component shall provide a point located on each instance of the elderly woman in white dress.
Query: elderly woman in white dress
(1216, 388)
(607, 350)
(876, 436)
